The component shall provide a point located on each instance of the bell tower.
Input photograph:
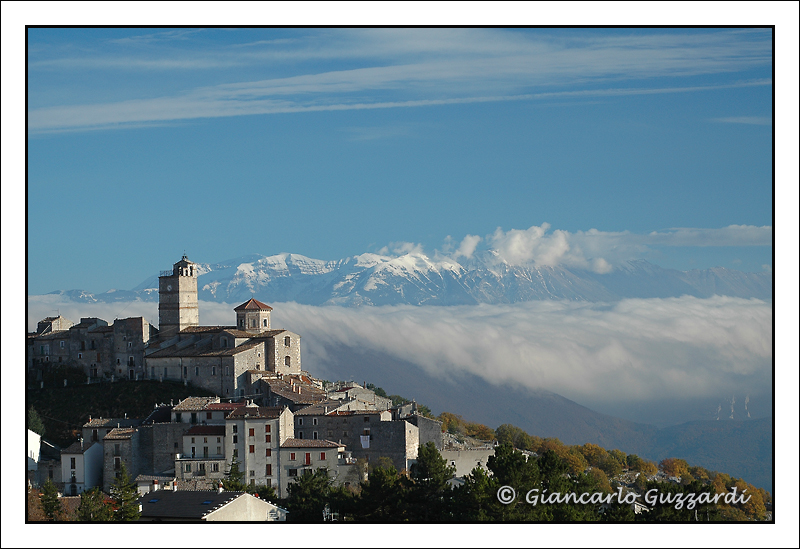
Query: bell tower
(177, 298)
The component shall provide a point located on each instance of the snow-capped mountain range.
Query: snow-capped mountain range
(416, 279)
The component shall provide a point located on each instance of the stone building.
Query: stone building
(367, 434)
(255, 435)
(99, 349)
(218, 358)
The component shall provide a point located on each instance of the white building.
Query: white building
(81, 467)
(300, 455)
(254, 435)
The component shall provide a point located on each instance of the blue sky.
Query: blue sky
(145, 143)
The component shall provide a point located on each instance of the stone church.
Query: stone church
(216, 358)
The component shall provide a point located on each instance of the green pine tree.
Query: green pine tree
(430, 497)
(51, 505)
(234, 478)
(35, 422)
(93, 507)
(308, 495)
(125, 494)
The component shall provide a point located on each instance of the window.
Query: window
(314, 421)
(269, 452)
(267, 428)
(118, 361)
(192, 451)
(235, 428)
(235, 439)
(252, 432)
(223, 342)
(71, 463)
(300, 435)
(287, 341)
(165, 371)
(227, 369)
(299, 421)
(192, 440)
(265, 323)
(308, 458)
(219, 450)
(288, 361)
(267, 438)
(252, 449)
(187, 467)
(366, 419)
(94, 435)
(213, 370)
(205, 440)
(80, 355)
(322, 456)
(208, 415)
(196, 371)
(235, 453)
(215, 467)
(185, 369)
(194, 417)
(269, 470)
(241, 323)
(314, 435)
(205, 451)
(177, 416)
(292, 472)
(218, 440)
(202, 467)
(292, 457)
(61, 344)
(252, 473)
(252, 322)
(116, 463)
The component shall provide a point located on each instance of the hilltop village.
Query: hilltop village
(272, 417)
(272, 422)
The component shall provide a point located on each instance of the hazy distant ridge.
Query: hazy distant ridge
(415, 279)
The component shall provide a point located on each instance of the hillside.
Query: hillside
(65, 409)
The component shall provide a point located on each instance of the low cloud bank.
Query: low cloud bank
(631, 351)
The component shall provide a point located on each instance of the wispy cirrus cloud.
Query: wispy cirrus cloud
(402, 68)
(752, 120)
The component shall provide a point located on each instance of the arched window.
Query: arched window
(287, 341)
(265, 323)
(288, 361)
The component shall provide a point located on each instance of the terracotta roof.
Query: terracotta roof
(213, 430)
(253, 305)
(309, 443)
(194, 404)
(119, 434)
(191, 350)
(307, 395)
(263, 412)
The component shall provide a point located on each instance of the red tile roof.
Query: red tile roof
(263, 412)
(309, 443)
(253, 305)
